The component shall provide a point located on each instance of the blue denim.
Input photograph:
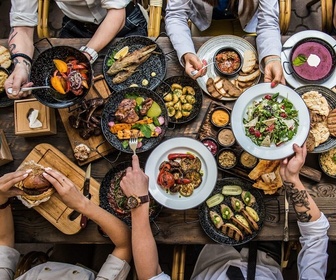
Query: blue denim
(135, 24)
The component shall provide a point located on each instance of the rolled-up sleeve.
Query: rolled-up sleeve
(115, 4)
(114, 269)
(313, 257)
(23, 13)
(9, 258)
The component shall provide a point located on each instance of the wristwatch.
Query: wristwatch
(134, 201)
(91, 52)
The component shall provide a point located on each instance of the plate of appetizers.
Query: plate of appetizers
(134, 61)
(134, 112)
(233, 213)
(267, 121)
(182, 173)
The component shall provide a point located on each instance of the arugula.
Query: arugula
(144, 128)
(111, 59)
(299, 60)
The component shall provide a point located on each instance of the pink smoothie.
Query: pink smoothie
(313, 73)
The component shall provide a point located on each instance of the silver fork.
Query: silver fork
(133, 143)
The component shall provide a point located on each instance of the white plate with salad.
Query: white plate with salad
(268, 121)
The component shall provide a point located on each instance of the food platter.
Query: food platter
(181, 145)
(184, 81)
(330, 96)
(156, 63)
(209, 48)
(108, 115)
(256, 93)
(286, 51)
(108, 202)
(216, 234)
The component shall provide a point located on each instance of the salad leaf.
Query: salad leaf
(299, 60)
(111, 59)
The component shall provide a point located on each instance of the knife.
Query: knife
(86, 193)
(285, 238)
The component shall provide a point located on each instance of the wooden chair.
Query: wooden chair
(155, 17)
(327, 9)
(284, 15)
(43, 16)
(178, 262)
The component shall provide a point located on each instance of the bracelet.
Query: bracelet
(21, 55)
(272, 59)
(3, 206)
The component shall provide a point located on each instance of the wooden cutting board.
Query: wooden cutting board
(54, 210)
(98, 145)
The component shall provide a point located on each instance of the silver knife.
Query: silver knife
(86, 193)
(285, 238)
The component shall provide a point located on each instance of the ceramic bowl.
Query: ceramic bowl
(227, 61)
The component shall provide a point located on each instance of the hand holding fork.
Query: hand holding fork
(133, 143)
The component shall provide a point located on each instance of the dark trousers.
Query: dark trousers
(135, 24)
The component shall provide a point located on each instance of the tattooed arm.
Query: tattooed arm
(313, 225)
(20, 41)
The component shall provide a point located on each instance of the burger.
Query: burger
(36, 188)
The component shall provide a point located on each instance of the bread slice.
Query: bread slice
(232, 231)
(250, 61)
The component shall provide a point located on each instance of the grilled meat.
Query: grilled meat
(126, 111)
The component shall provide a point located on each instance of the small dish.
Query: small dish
(226, 158)
(247, 160)
(226, 137)
(327, 162)
(220, 117)
(211, 144)
(227, 61)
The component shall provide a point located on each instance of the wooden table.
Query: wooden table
(171, 226)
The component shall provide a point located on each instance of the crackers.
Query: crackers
(5, 60)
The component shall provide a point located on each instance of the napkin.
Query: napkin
(33, 119)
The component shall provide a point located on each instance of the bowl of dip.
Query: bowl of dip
(227, 61)
(225, 137)
(220, 117)
(211, 144)
(226, 158)
(312, 60)
(327, 162)
(247, 160)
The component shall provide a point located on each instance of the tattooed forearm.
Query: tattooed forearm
(300, 202)
(12, 34)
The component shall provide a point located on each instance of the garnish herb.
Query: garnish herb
(299, 60)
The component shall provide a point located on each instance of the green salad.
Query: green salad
(271, 121)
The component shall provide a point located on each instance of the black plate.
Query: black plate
(155, 63)
(163, 88)
(216, 234)
(105, 189)
(110, 109)
(43, 68)
(331, 98)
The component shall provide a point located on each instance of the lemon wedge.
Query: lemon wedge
(121, 53)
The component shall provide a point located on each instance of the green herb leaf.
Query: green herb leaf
(145, 129)
(334, 158)
(299, 60)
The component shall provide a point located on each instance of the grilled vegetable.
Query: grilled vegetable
(176, 156)
(248, 198)
(226, 212)
(214, 200)
(236, 204)
(216, 219)
(231, 190)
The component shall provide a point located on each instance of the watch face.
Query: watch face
(132, 202)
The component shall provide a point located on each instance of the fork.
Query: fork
(133, 143)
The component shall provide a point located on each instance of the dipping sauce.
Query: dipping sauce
(228, 61)
(227, 159)
(248, 160)
(225, 137)
(211, 145)
(220, 117)
(317, 61)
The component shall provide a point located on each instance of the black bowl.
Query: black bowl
(233, 66)
(42, 70)
(311, 74)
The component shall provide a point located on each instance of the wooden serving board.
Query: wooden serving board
(95, 143)
(54, 210)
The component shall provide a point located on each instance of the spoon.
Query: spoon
(194, 72)
(10, 90)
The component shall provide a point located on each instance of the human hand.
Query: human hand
(18, 79)
(135, 182)
(69, 193)
(192, 63)
(290, 167)
(7, 182)
(273, 72)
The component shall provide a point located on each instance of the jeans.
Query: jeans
(135, 24)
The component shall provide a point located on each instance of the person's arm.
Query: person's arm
(117, 230)
(145, 254)
(269, 41)
(313, 225)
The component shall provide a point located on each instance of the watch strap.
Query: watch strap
(91, 52)
(4, 205)
(144, 199)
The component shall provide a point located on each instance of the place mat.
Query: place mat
(98, 145)
(54, 210)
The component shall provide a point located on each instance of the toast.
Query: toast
(250, 61)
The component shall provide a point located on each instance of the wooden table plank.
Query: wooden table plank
(31, 227)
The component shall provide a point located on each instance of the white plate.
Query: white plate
(209, 48)
(255, 93)
(181, 145)
(287, 48)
